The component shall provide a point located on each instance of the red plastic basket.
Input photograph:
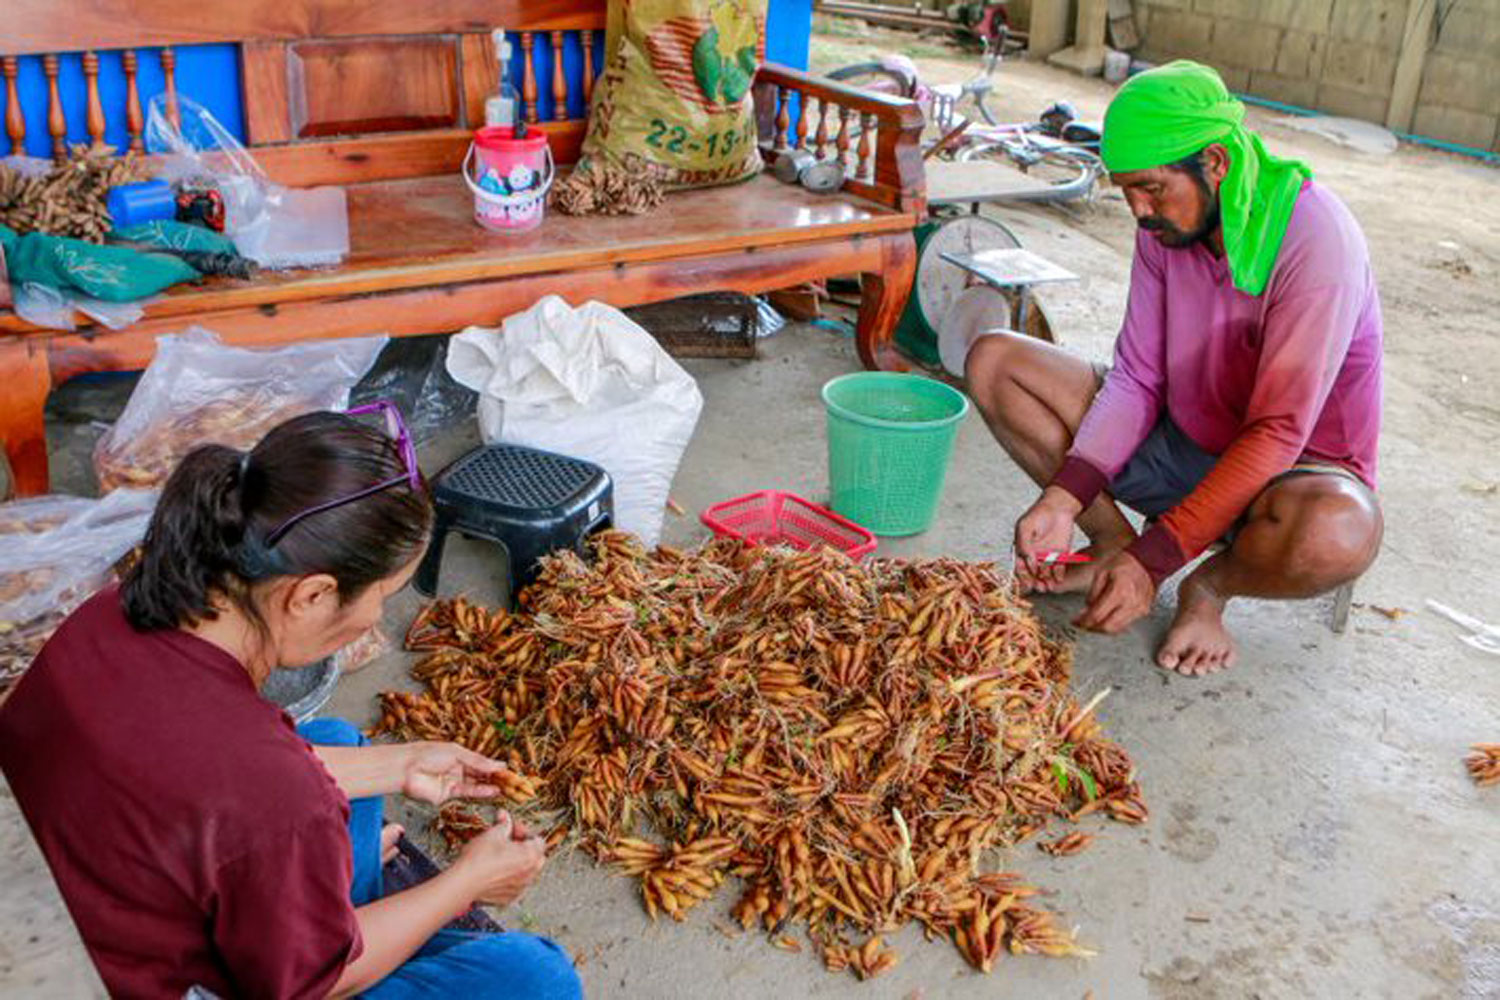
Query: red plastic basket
(775, 517)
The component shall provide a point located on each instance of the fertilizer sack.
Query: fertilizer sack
(675, 90)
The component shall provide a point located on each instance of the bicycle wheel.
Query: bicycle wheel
(877, 77)
(1062, 173)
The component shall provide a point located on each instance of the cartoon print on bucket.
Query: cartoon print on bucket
(510, 177)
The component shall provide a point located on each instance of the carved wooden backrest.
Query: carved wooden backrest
(408, 77)
(341, 91)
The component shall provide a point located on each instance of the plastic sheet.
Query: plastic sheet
(55, 552)
(413, 374)
(274, 226)
(200, 391)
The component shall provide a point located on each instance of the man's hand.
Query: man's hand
(437, 772)
(1046, 527)
(502, 861)
(1122, 594)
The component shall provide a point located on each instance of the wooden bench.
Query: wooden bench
(382, 96)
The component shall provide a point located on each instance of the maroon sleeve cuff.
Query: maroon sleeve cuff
(1158, 552)
(1081, 478)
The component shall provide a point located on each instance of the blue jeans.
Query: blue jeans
(453, 963)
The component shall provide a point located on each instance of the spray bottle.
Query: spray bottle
(500, 108)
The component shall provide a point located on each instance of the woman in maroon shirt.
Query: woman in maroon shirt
(197, 839)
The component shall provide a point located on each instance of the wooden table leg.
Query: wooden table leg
(883, 296)
(27, 380)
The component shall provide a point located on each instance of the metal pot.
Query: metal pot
(301, 691)
(790, 164)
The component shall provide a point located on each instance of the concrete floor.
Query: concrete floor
(1313, 833)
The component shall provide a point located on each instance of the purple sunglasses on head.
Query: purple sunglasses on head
(394, 426)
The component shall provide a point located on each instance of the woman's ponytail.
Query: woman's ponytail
(192, 545)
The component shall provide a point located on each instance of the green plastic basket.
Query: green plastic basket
(890, 437)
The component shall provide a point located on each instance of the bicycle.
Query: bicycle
(1057, 149)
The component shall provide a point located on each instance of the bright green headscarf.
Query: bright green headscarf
(1171, 112)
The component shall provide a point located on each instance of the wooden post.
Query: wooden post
(94, 119)
(843, 140)
(822, 141)
(783, 115)
(803, 102)
(1414, 44)
(26, 374)
(587, 37)
(559, 80)
(882, 297)
(15, 122)
(134, 120)
(169, 73)
(528, 81)
(866, 125)
(57, 125)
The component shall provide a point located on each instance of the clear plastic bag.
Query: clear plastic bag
(274, 226)
(201, 151)
(38, 515)
(363, 651)
(199, 391)
(56, 552)
(45, 307)
(52, 308)
(301, 227)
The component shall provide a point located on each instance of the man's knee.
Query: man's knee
(991, 357)
(1333, 534)
(331, 733)
(992, 371)
(517, 964)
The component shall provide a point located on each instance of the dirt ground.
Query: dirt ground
(1313, 832)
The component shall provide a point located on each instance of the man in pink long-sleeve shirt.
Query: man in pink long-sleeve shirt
(1247, 418)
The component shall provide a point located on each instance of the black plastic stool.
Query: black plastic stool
(531, 502)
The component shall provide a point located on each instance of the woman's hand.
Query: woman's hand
(495, 867)
(437, 772)
(502, 861)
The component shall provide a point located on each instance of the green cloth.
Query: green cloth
(112, 274)
(1169, 113)
(170, 235)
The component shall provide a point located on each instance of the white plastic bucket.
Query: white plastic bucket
(509, 213)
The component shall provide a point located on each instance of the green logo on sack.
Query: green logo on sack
(724, 55)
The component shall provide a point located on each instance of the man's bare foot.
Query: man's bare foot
(1197, 643)
(389, 834)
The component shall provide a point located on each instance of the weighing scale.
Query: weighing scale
(939, 282)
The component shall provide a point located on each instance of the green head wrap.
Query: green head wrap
(1171, 112)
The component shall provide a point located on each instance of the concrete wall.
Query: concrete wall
(1340, 56)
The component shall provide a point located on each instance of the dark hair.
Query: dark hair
(207, 535)
(1192, 165)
